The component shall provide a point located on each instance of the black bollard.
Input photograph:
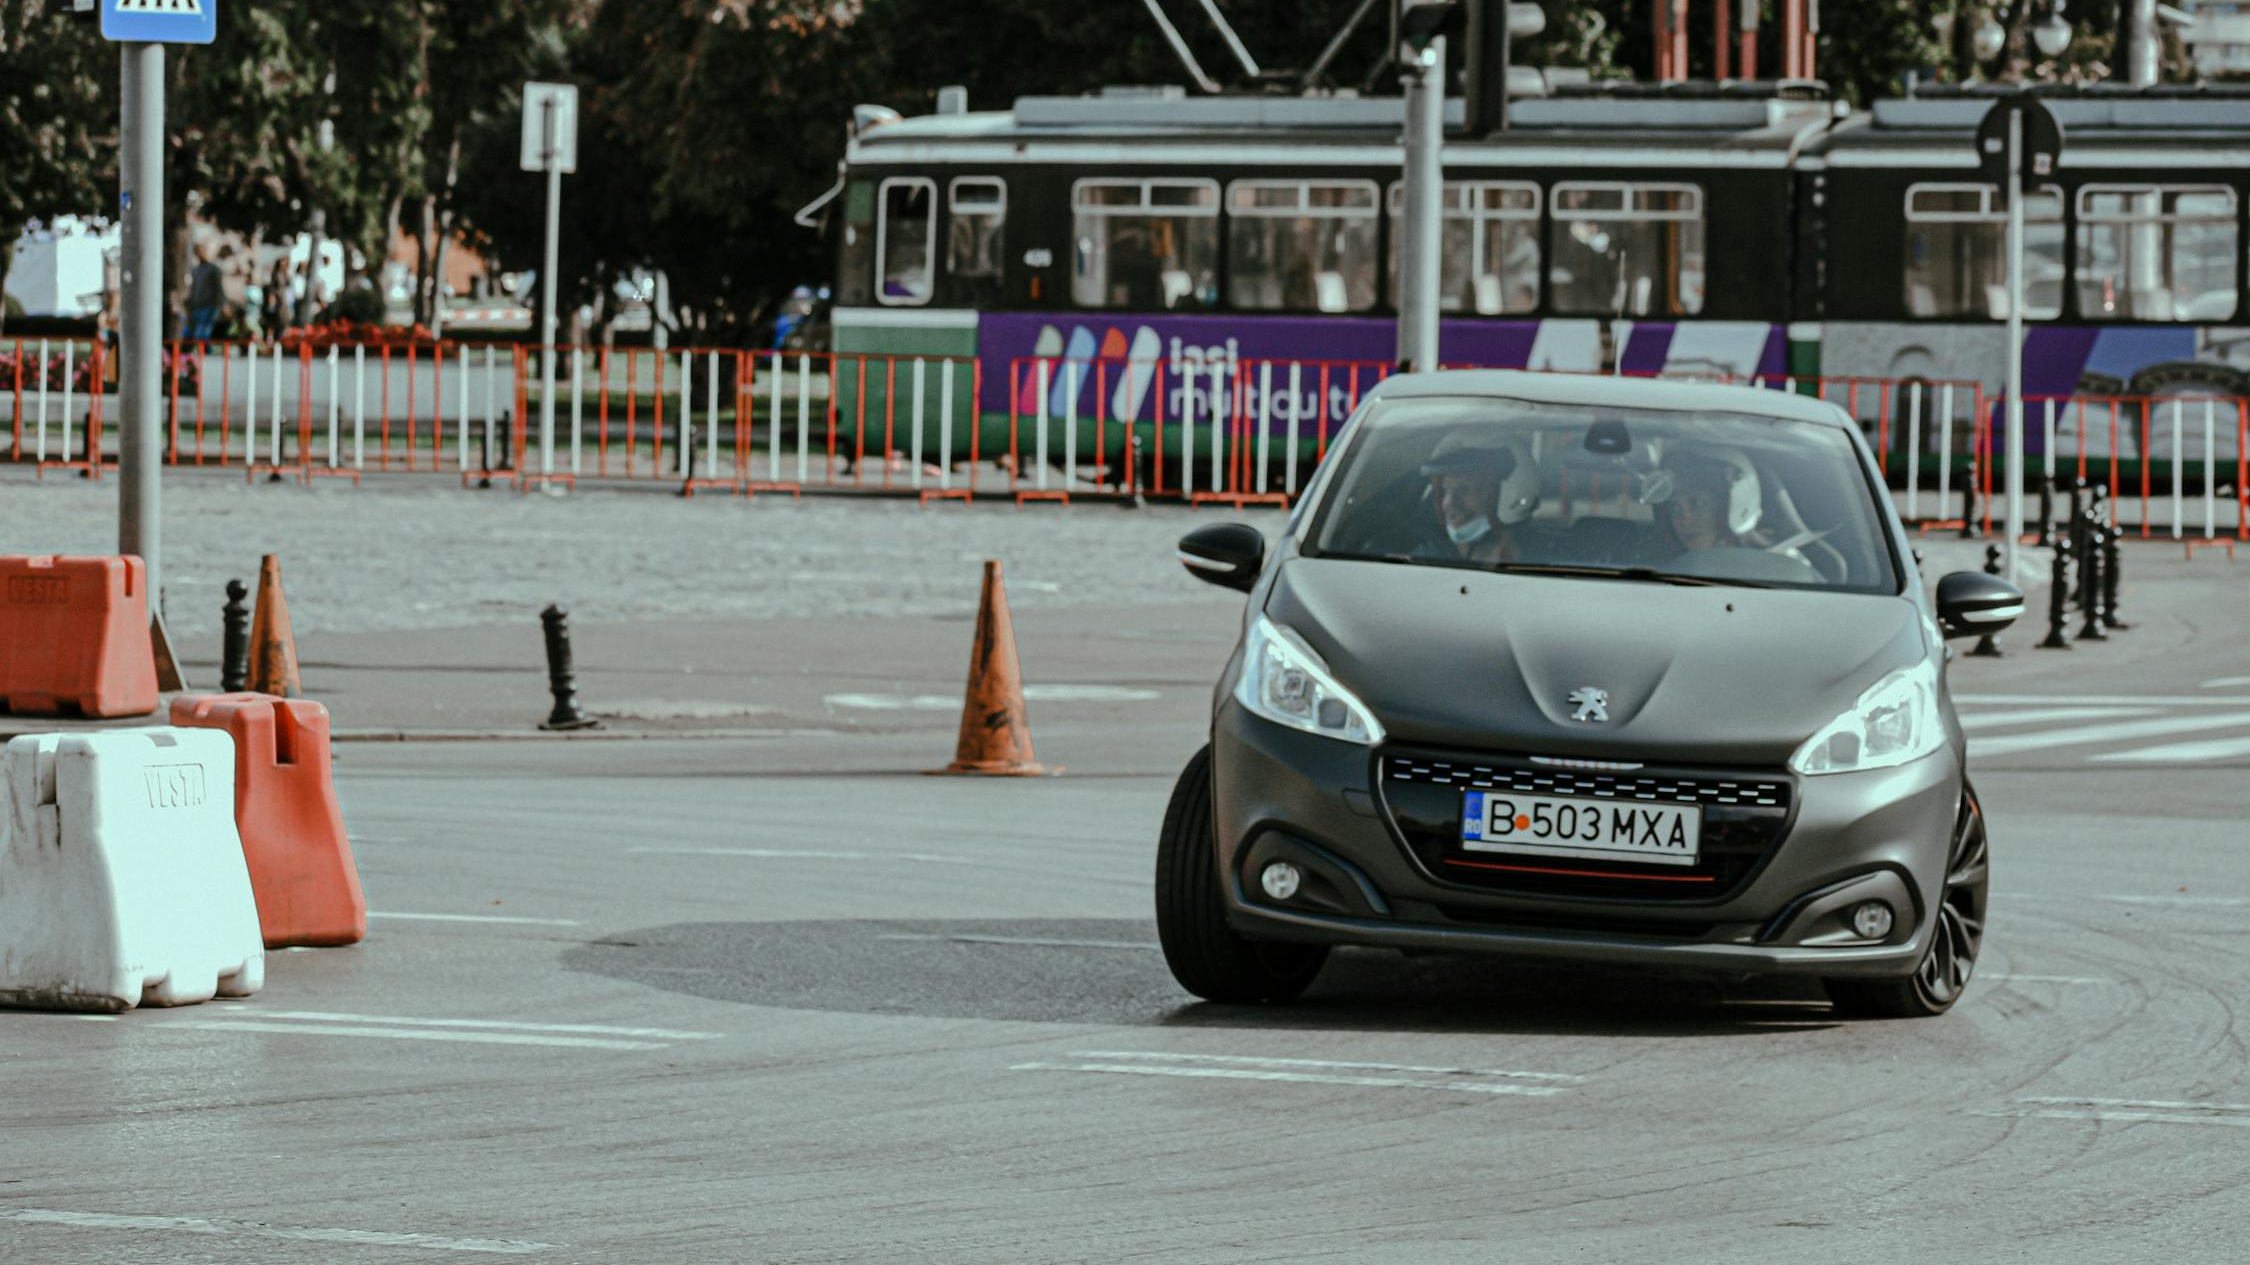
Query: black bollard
(556, 623)
(1986, 647)
(234, 639)
(687, 451)
(2111, 576)
(2090, 585)
(2046, 512)
(2058, 598)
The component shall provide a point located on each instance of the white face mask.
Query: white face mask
(1470, 532)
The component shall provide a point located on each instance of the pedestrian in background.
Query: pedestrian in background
(206, 294)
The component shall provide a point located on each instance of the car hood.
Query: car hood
(1487, 661)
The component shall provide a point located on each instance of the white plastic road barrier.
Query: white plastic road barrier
(945, 425)
(1913, 452)
(122, 880)
(274, 412)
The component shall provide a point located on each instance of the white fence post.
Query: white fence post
(359, 407)
(1040, 442)
(945, 424)
(69, 389)
(1945, 448)
(916, 478)
(461, 393)
(804, 416)
(1913, 449)
(335, 403)
(1265, 413)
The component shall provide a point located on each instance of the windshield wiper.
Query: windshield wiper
(1648, 575)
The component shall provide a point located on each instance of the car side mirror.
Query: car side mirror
(1971, 604)
(1226, 554)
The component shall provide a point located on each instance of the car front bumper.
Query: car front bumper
(1280, 794)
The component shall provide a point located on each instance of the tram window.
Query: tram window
(1301, 245)
(1627, 249)
(902, 240)
(980, 212)
(855, 272)
(2156, 252)
(1488, 260)
(1956, 252)
(1145, 244)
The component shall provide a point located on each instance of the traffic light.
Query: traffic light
(1417, 22)
(1493, 26)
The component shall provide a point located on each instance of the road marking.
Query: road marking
(202, 1225)
(2013, 978)
(2035, 715)
(584, 1029)
(2116, 1117)
(952, 702)
(2082, 734)
(1300, 1078)
(2105, 700)
(2183, 752)
(1034, 941)
(2226, 682)
(411, 1034)
(2129, 1111)
(1262, 1061)
(495, 918)
(2228, 902)
(806, 854)
(2142, 1103)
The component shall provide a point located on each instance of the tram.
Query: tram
(1748, 230)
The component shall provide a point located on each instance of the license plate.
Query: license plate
(1567, 826)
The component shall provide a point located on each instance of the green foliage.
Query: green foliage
(360, 305)
(58, 115)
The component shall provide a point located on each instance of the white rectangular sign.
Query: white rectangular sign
(550, 106)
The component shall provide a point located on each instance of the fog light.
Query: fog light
(1280, 880)
(1872, 919)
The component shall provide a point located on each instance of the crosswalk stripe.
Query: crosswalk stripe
(2080, 735)
(2182, 752)
(2038, 715)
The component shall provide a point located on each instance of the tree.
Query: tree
(58, 117)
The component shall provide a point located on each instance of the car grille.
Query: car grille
(1745, 815)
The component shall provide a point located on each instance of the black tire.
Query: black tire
(1206, 955)
(1944, 972)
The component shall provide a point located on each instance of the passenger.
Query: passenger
(1481, 487)
(1710, 501)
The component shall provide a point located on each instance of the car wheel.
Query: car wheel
(1208, 957)
(1944, 973)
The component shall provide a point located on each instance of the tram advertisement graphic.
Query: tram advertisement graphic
(1196, 361)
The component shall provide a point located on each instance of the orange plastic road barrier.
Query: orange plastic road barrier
(995, 735)
(273, 644)
(301, 867)
(74, 635)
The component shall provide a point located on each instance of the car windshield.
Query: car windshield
(1660, 495)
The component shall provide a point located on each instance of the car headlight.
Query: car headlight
(1894, 722)
(1285, 682)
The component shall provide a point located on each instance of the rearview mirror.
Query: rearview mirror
(1971, 604)
(1226, 554)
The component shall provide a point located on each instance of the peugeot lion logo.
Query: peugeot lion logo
(1592, 704)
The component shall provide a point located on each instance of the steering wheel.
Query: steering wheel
(1791, 548)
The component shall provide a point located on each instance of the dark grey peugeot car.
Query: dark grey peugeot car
(1592, 669)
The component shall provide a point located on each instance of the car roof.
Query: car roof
(1601, 390)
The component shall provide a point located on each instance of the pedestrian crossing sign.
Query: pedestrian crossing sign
(160, 21)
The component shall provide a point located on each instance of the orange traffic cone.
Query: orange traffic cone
(273, 644)
(995, 737)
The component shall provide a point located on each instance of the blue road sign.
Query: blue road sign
(160, 21)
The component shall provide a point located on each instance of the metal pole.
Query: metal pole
(1419, 225)
(2015, 339)
(141, 310)
(547, 293)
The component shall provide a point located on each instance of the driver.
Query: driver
(1711, 500)
(1481, 487)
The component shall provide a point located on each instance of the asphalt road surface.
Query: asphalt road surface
(787, 1000)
